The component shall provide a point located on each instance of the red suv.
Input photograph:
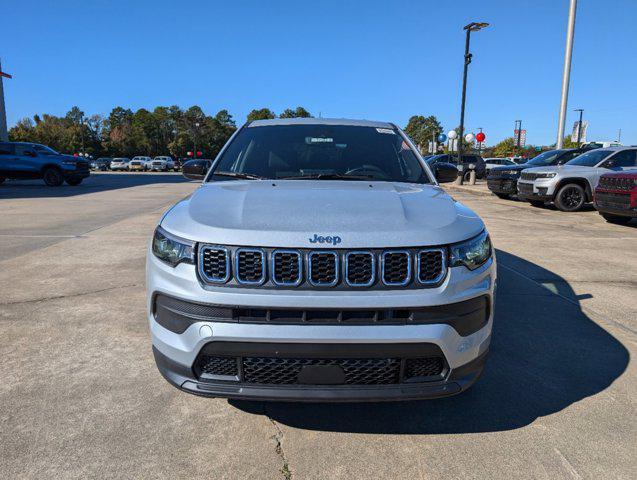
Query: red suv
(616, 196)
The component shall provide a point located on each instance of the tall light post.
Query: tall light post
(194, 153)
(566, 75)
(4, 135)
(579, 125)
(472, 27)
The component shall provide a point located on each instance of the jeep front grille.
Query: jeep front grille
(616, 183)
(322, 269)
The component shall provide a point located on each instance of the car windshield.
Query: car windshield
(321, 152)
(44, 150)
(545, 158)
(590, 159)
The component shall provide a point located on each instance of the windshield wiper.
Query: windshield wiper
(327, 176)
(245, 176)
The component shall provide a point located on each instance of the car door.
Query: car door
(7, 160)
(26, 164)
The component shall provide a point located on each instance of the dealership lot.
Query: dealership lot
(81, 396)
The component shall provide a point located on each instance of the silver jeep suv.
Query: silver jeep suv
(571, 186)
(320, 261)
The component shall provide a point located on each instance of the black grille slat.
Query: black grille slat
(616, 183)
(323, 268)
(250, 266)
(396, 268)
(360, 268)
(215, 264)
(286, 268)
(430, 265)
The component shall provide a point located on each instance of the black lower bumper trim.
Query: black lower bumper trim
(535, 197)
(458, 380)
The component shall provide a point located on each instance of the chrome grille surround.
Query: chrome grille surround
(240, 265)
(341, 269)
(384, 267)
(201, 254)
(273, 267)
(372, 276)
(310, 268)
(443, 269)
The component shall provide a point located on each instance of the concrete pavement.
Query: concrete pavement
(81, 396)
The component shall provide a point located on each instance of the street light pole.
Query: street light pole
(518, 139)
(194, 153)
(579, 125)
(4, 135)
(566, 75)
(472, 27)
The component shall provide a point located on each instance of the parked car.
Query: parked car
(519, 160)
(616, 196)
(179, 162)
(570, 186)
(120, 163)
(503, 181)
(102, 164)
(162, 164)
(489, 163)
(23, 160)
(467, 160)
(140, 164)
(320, 261)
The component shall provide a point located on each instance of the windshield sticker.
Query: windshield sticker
(386, 130)
(315, 140)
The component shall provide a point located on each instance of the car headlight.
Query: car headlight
(545, 175)
(471, 253)
(171, 249)
(511, 172)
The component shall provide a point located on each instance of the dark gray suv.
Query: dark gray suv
(22, 160)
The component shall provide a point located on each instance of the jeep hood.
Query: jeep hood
(565, 169)
(287, 213)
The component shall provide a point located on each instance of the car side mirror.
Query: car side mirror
(195, 169)
(445, 172)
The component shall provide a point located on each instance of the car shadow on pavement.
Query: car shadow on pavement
(97, 182)
(546, 354)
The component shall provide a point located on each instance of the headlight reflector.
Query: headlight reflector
(172, 249)
(471, 253)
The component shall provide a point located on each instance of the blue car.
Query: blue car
(22, 160)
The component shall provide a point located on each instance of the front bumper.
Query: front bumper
(535, 191)
(620, 203)
(177, 353)
(507, 185)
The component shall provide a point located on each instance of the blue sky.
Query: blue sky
(377, 60)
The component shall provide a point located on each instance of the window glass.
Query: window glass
(625, 158)
(288, 151)
(44, 150)
(590, 158)
(6, 149)
(21, 149)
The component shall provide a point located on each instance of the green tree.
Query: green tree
(422, 129)
(299, 112)
(261, 114)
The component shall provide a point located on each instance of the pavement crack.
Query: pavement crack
(278, 439)
(68, 295)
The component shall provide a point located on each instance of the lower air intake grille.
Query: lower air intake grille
(280, 371)
(423, 367)
(226, 366)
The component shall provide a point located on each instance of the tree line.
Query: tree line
(164, 130)
(175, 131)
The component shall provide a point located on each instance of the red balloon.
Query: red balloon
(199, 153)
(189, 154)
(75, 155)
(480, 137)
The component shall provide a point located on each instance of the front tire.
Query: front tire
(616, 219)
(74, 181)
(570, 198)
(52, 177)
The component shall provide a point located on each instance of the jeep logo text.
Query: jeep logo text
(333, 240)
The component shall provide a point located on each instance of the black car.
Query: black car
(503, 181)
(102, 164)
(467, 159)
